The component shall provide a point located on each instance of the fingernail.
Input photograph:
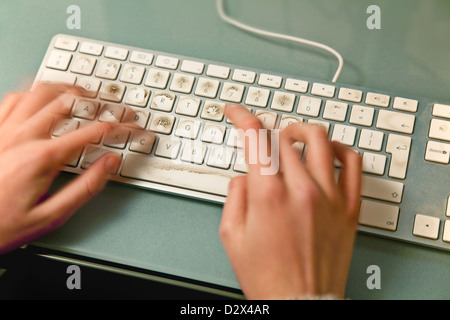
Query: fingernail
(112, 163)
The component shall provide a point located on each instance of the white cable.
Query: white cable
(240, 25)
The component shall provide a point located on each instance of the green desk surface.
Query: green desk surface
(410, 54)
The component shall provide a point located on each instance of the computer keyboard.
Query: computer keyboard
(404, 141)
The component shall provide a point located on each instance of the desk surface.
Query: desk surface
(178, 236)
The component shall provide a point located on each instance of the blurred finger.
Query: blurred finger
(256, 139)
(34, 101)
(40, 125)
(350, 181)
(8, 105)
(65, 146)
(60, 206)
(235, 206)
(294, 171)
(319, 153)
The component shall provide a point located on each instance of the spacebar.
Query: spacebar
(177, 174)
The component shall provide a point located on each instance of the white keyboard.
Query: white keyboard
(404, 141)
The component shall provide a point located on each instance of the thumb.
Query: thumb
(235, 208)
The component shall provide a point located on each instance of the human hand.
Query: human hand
(290, 235)
(30, 160)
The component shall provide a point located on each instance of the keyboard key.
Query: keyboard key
(287, 120)
(213, 110)
(437, 152)
(91, 154)
(381, 189)
(323, 90)
(295, 85)
(448, 207)
(378, 215)
(218, 71)
(142, 141)
(376, 99)
(64, 126)
(207, 88)
(136, 118)
(268, 119)
(440, 129)
(334, 110)
(91, 48)
(351, 95)
(213, 133)
(398, 146)
(83, 65)
(244, 76)
(188, 128)
(344, 134)
(362, 116)
(325, 125)
(180, 175)
(309, 106)
(132, 74)
(405, 104)
(167, 147)
(167, 62)
(371, 140)
(90, 84)
(162, 123)
(257, 97)
(396, 121)
(220, 157)
(111, 113)
(117, 138)
(59, 60)
(141, 57)
(240, 164)
(86, 109)
(235, 139)
(162, 101)
(441, 110)
(373, 163)
(137, 96)
(188, 106)
(112, 91)
(232, 92)
(64, 43)
(157, 78)
(446, 235)
(283, 101)
(108, 69)
(55, 76)
(426, 226)
(268, 80)
(182, 83)
(116, 53)
(192, 66)
(194, 152)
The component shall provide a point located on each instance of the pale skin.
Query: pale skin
(290, 236)
(30, 160)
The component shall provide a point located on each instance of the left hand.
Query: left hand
(30, 160)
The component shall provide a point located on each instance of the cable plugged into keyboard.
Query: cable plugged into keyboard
(186, 146)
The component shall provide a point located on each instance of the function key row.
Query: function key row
(244, 76)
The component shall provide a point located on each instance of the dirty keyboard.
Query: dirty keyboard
(404, 141)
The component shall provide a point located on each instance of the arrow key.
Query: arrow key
(426, 226)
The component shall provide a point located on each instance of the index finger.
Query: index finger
(260, 153)
(64, 146)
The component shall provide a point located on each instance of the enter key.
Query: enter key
(399, 147)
